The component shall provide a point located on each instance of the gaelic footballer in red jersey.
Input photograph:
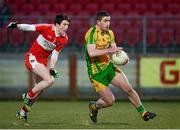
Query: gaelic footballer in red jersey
(52, 38)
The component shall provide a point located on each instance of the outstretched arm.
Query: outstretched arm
(24, 27)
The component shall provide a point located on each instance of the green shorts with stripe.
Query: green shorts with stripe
(104, 78)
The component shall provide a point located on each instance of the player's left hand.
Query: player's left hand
(12, 25)
(54, 73)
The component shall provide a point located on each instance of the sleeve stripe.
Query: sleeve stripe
(92, 34)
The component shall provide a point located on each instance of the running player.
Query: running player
(52, 38)
(99, 44)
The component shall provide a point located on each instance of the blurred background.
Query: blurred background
(149, 30)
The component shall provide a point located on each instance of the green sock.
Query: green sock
(141, 109)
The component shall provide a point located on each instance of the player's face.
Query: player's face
(104, 23)
(62, 28)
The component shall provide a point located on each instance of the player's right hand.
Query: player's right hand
(115, 50)
(12, 25)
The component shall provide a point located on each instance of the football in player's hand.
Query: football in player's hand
(119, 59)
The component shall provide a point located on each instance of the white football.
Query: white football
(119, 59)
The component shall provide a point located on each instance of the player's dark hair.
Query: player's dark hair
(101, 14)
(60, 17)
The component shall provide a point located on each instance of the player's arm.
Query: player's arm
(53, 61)
(24, 27)
(93, 52)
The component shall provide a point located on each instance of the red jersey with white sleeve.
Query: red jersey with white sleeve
(43, 46)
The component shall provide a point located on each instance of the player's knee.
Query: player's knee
(50, 81)
(110, 102)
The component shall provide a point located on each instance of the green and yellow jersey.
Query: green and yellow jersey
(102, 40)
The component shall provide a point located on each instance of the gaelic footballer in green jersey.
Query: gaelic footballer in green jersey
(99, 45)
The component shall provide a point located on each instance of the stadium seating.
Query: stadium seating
(124, 7)
(43, 8)
(157, 7)
(151, 36)
(110, 7)
(166, 36)
(177, 36)
(173, 8)
(140, 7)
(20, 2)
(133, 36)
(119, 36)
(92, 8)
(165, 1)
(3, 36)
(16, 38)
(27, 9)
(30, 37)
(35, 3)
(75, 8)
(57, 8)
(158, 13)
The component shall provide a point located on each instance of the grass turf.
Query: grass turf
(74, 114)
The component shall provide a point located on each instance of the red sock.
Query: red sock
(31, 93)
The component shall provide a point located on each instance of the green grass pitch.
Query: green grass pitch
(74, 114)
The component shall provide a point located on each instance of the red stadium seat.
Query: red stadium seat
(133, 36)
(35, 13)
(80, 39)
(174, 24)
(75, 8)
(116, 14)
(59, 7)
(140, 7)
(137, 23)
(69, 2)
(8, 2)
(166, 36)
(151, 36)
(149, 2)
(3, 36)
(157, 7)
(14, 8)
(173, 8)
(83, 14)
(27, 8)
(35, 3)
(132, 1)
(30, 37)
(92, 8)
(165, 14)
(76, 23)
(165, 1)
(43, 8)
(119, 35)
(176, 1)
(83, 2)
(16, 38)
(20, 2)
(177, 36)
(19, 13)
(126, 24)
(110, 7)
(52, 2)
(101, 2)
(133, 14)
(149, 14)
(158, 24)
(124, 7)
